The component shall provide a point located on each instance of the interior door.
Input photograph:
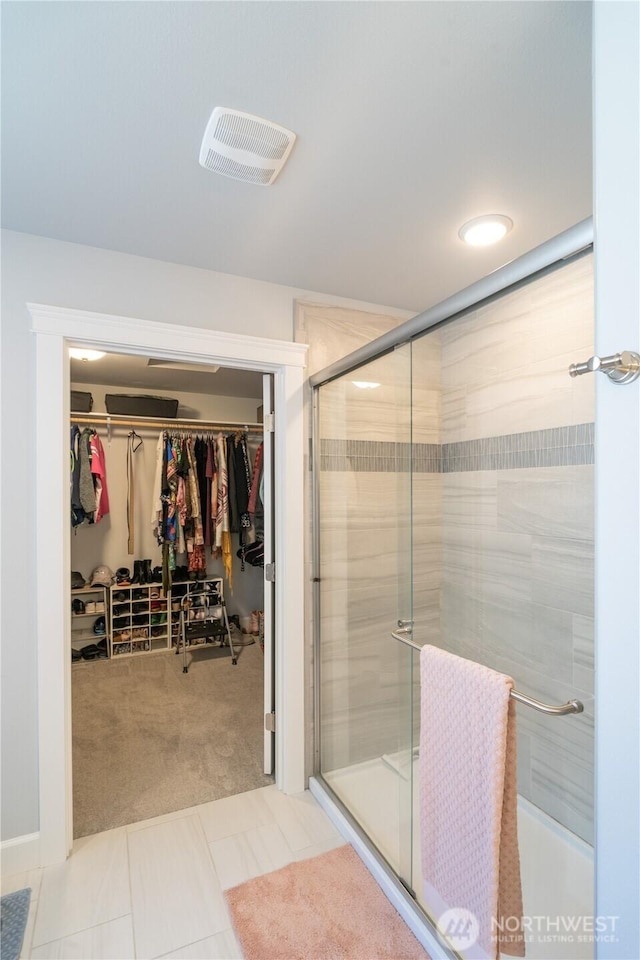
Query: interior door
(269, 593)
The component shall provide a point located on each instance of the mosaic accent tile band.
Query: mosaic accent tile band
(555, 447)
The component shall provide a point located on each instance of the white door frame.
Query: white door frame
(55, 329)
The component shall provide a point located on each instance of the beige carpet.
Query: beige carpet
(148, 739)
(326, 908)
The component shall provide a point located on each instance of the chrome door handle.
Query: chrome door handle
(405, 635)
(406, 625)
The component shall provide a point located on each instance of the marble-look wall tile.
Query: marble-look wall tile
(562, 304)
(547, 502)
(505, 364)
(494, 565)
(583, 654)
(486, 341)
(426, 388)
(583, 642)
(563, 574)
(527, 634)
(469, 500)
(536, 396)
(552, 765)
(334, 332)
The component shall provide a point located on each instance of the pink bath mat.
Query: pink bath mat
(326, 908)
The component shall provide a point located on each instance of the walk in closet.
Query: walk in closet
(168, 502)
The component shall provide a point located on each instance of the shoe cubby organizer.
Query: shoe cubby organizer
(142, 618)
(89, 623)
(139, 616)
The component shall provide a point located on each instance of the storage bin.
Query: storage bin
(141, 406)
(81, 402)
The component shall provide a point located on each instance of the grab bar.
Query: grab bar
(573, 706)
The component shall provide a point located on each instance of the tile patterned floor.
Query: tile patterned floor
(155, 888)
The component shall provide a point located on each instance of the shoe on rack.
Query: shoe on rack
(99, 606)
(78, 607)
(100, 627)
(90, 652)
(90, 606)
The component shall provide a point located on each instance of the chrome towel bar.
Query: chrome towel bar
(573, 706)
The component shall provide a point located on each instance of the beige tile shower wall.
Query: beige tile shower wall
(331, 333)
(372, 529)
(364, 692)
(517, 550)
(504, 365)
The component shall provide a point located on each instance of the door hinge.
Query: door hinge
(270, 572)
(270, 722)
(269, 424)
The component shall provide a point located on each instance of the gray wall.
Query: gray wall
(37, 269)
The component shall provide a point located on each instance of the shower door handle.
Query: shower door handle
(404, 634)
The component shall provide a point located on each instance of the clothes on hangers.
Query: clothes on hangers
(156, 500)
(89, 493)
(99, 474)
(223, 522)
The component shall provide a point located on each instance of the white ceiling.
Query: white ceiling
(118, 370)
(411, 118)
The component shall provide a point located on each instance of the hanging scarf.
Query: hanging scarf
(194, 495)
(255, 482)
(223, 536)
(157, 505)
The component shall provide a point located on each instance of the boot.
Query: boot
(145, 571)
(136, 578)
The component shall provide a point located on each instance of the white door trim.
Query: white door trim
(54, 329)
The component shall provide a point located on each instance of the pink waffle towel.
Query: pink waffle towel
(468, 798)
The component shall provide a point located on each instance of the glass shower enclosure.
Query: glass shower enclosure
(453, 484)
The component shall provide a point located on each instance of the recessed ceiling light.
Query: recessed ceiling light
(85, 355)
(483, 231)
(365, 384)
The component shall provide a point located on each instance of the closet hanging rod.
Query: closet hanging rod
(120, 420)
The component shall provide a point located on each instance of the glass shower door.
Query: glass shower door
(365, 676)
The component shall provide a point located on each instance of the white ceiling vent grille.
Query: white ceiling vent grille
(245, 147)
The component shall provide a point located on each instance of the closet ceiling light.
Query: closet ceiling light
(190, 367)
(483, 231)
(365, 384)
(85, 355)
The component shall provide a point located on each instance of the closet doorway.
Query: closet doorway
(171, 633)
(55, 329)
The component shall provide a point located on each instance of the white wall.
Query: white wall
(36, 269)
(617, 284)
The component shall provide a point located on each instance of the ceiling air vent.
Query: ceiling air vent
(245, 147)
